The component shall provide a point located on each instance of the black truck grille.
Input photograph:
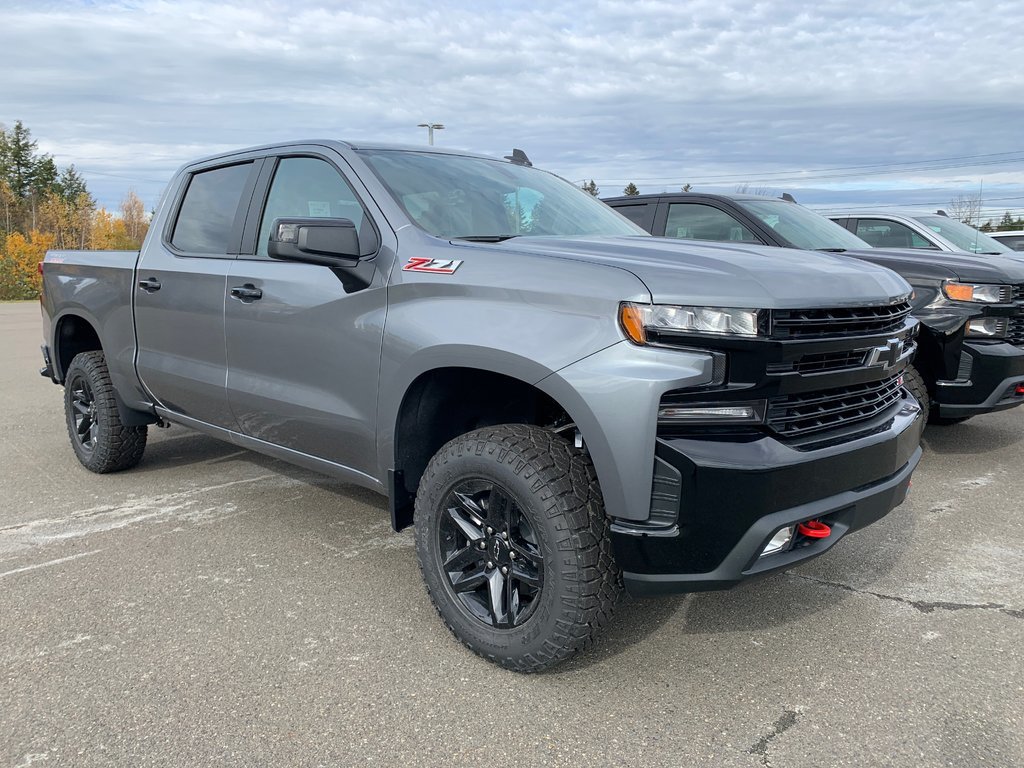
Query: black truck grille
(842, 321)
(1015, 331)
(1018, 292)
(807, 413)
(822, 362)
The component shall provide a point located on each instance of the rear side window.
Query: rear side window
(207, 213)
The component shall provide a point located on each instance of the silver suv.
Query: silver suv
(1013, 239)
(912, 229)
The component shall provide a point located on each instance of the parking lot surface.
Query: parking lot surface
(215, 607)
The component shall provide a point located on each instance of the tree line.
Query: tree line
(43, 207)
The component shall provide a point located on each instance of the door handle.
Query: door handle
(149, 285)
(246, 293)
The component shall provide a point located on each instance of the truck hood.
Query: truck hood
(952, 265)
(723, 275)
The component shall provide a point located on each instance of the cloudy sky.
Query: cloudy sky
(838, 101)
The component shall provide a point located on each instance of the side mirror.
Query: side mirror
(324, 241)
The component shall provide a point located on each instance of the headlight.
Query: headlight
(984, 294)
(639, 320)
(987, 327)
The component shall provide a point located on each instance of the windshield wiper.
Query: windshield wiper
(831, 250)
(485, 238)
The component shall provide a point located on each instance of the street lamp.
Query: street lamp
(431, 127)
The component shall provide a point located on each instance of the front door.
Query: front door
(303, 348)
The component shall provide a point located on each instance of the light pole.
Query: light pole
(431, 127)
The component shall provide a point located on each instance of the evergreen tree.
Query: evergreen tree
(631, 190)
(70, 186)
(591, 187)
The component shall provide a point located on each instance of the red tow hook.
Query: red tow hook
(814, 529)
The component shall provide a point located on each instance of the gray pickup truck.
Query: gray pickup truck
(559, 402)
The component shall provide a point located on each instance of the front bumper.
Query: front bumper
(733, 496)
(989, 375)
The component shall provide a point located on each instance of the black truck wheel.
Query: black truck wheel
(101, 442)
(913, 382)
(513, 545)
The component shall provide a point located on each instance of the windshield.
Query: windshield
(454, 196)
(802, 227)
(964, 237)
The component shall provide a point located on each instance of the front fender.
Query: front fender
(613, 397)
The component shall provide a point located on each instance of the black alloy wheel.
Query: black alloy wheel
(490, 554)
(83, 404)
(101, 440)
(513, 543)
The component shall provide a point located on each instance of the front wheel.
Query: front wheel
(101, 441)
(513, 545)
(913, 381)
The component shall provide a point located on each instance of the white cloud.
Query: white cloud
(609, 90)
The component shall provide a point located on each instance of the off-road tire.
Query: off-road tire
(913, 382)
(553, 489)
(101, 441)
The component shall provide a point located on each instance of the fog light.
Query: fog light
(779, 541)
(708, 413)
(989, 327)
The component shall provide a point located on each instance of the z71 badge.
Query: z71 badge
(435, 266)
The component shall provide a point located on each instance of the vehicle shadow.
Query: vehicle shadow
(769, 602)
(980, 435)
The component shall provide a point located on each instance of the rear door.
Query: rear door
(180, 292)
(303, 340)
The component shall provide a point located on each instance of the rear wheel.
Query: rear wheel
(513, 545)
(101, 441)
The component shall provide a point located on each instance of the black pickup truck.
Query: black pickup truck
(970, 357)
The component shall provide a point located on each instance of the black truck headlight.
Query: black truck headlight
(979, 294)
(642, 321)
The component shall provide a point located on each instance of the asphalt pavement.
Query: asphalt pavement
(215, 607)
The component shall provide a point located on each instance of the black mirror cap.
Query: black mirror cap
(326, 241)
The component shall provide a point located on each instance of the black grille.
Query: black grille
(822, 362)
(804, 414)
(1015, 331)
(843, 321)
(1018, 292)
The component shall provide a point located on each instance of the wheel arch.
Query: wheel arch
(447, 401)
(73, 334)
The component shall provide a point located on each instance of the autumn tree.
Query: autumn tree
(19, 264)
(631, 190)
(133, 214)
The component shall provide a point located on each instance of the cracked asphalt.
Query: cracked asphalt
(213, 607)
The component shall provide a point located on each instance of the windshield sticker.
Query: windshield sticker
(435, 266)
(319, 209)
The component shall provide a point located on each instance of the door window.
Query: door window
(307, 187)
(695, 221)
(880, 233)
(207, 214)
